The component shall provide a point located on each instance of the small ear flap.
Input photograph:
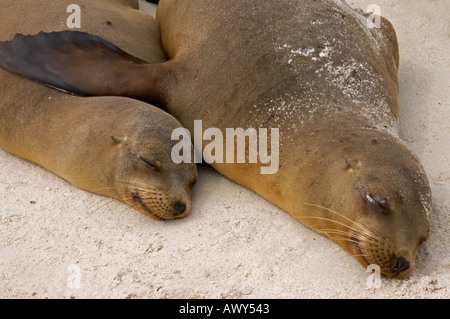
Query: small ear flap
(352, 164)
(119, 140)
(82, 63)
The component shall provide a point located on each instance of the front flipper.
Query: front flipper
(84, 64)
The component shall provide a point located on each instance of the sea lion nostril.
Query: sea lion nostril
(402, 265)
(180, 208)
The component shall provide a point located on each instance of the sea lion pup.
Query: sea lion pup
(314, 69)
(112, 146)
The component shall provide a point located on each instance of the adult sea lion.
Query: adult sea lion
(113, 146)
(314, 69)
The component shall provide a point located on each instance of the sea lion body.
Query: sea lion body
(317, 71)
(99, 144)
(321, 74)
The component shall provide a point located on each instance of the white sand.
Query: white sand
(233, 244)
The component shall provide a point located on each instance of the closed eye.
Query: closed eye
(378, 201)
(148, 163)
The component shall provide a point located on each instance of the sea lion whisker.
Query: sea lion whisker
(104, 202)
(361, 255)
(373, 242)
(357, 235)
(128, 197)
(137, 185)
(125, 198)
(142, 192)
(330, 230)
(139, 204)
(333, 221)
(335, 238)
(100, 189)
(376, 233)
(335, 212)
(147, 196)
(132, 197)
(151, 198)
(345, 217)
(354, 237)
(142, 188)
(340, 232)
(147, 192)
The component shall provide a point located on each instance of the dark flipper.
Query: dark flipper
(84, 64)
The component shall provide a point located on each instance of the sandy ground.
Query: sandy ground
(59, 242)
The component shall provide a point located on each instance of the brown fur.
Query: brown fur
(72, 136)
(316, 71)
(344, 172)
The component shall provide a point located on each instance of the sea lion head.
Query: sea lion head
(376, 203)
(147, 177)
(391, 205)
